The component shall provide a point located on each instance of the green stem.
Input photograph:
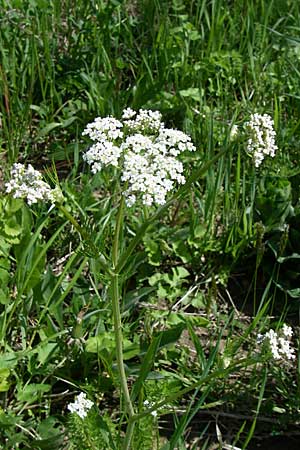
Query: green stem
(73, 221)
(129, 434)
(119, 343)
(118, 326)
(116, 243)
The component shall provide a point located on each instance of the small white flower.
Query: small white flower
(287, 331)
(128, 113)
(234, 132)
(259, 338)
(149, 405)
(81, 405)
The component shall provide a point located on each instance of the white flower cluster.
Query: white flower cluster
(261, 141)
(144, 150)
(279, 344)
(102, 128)
(27, 183)
(144, 121)
(149, 405)
(81, 406)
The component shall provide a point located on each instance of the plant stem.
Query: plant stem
(116, 242)
(115, 308)
(118, 326)
(129, 434)
(119, 343)
(73, 221)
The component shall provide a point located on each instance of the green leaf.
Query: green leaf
(175, 318)
(153, 250)
(51, 443)
(198, 321)
(100, 342)
(171, 335)
(44, 350)
(11, 228)
(120, 64)
(130, 350)
(278, 410)
(8, 360)
(294, 293)
(146, 366)
(181, 249)
(5, 247)
(31, 392)
(200, 231)
(4, 296)
(13, 205)
(105, 342)
(68, 122)
(193, 93)
(4, 384)
(46, 130)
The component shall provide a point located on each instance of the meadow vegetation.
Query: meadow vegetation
(165, 324)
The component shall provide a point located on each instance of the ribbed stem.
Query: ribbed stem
(119, 343)
(115, 296)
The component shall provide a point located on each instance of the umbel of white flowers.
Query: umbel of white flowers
(143, 149)
(81, 405)
(279, 343)
(261, 140)
(27, 183)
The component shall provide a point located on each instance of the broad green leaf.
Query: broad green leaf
(51, 443)
(181, 249)
(4, 383)
(100, 342)
(67, 122)
(105, 342)
(4, 296)
(46, 130)
(13, 205)
(171, 335)
(8, 360)
(193, 93)
(11, 228)
(44, 350)
(31, 392)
